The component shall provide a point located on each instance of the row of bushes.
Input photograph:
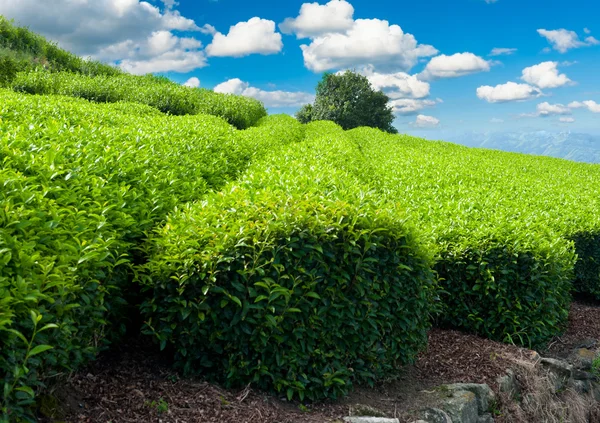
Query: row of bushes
(503, 227)
(158, 92)
(293, 278)
(82, 184)
(24, 50)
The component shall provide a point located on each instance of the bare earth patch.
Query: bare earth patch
(134, 385)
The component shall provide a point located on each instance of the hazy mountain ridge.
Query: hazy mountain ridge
(579, 147)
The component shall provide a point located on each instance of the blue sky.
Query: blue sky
(433, 57)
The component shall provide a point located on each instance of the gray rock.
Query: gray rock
(435, 415)
(583, 375)
(583, 358)
(366, 411)
(580, 386)
(483, 394)
(462, 407)
(486, 418)
(509, 383)
(559, 367)
(362, 419)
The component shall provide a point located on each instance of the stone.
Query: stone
(583, 375)
(362, 419)
(366, 410)
(580, 386)
(583, 358)
(509, 383)
(435, 415)
(483, 393)
(561, 368)
(486, 418)
(462, 407)
(588, 343)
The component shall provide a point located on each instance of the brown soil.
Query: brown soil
(134, 385)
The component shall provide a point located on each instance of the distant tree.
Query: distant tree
(349, 100)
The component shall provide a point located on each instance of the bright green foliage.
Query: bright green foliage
(349, 100)
(160, 93)
(501, 225)
(81, 185)
(22, 50)
(293, 279)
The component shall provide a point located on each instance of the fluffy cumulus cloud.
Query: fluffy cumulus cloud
(410, 106)
(424, 121)
(269, 98)
(563, 40)
(458, 64)
(256, 36)
(368, 41)
(162, 51)
(502, 51)
(396, 85)
(591, 105)
(132, 33)
(511, 91)
(193, 82)
(545, 75)
(547, 109)
(315, 19)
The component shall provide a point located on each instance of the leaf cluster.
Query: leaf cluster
(294, 278)
(158, 92)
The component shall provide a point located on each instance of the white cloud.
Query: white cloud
(547, 109)
(490, 1)
(511, 91)
(545, 75)
(424, 121)
(592, 106)
(269, 98)
(160, 52)
(587, 31)
(563, 40)
(409, 106)
(193, 82)
(397, 85)
(496, 120)
(368, 41)
(502, 51)
(257, 36)
(315, 19)
(566, 119)
(458, 64)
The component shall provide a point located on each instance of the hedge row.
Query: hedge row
(501, 225)
(24, 50)
(158, 92)
(294, 278)
(81, 186)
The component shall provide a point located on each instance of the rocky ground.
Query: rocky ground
(132, 385)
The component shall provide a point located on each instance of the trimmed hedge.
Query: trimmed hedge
(293, 279)
(160, 93)
(500, 224)
(82, 185)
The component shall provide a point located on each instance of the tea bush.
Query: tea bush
(82, 184)
(25, 50)
(164, 95)
(502, 225)
(293, 279)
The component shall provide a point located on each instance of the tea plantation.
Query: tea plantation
(301, 259)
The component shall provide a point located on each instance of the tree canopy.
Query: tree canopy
(349, 100)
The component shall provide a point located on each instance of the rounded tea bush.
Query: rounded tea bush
(301, 294)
